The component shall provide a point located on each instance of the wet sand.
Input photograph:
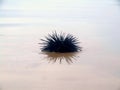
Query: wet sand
(24, 67)
(97, 67)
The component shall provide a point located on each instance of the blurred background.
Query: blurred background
(96, 23)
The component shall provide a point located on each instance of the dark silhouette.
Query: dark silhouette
(60, 43)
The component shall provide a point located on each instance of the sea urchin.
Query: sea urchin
(60, 43)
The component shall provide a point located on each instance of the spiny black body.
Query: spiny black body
(60, 43)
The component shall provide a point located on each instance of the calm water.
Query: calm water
(95, 22)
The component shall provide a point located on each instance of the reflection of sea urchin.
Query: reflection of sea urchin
(60, 57)
(60, 43)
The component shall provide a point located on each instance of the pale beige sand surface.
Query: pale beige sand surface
(95, 23)
(24, 67)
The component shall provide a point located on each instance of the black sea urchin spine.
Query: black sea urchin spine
(60, 43)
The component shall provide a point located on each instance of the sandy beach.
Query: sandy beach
(95, 23)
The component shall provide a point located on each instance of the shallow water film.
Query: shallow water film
(95, 23)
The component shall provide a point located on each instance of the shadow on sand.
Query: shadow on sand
(60, 57)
